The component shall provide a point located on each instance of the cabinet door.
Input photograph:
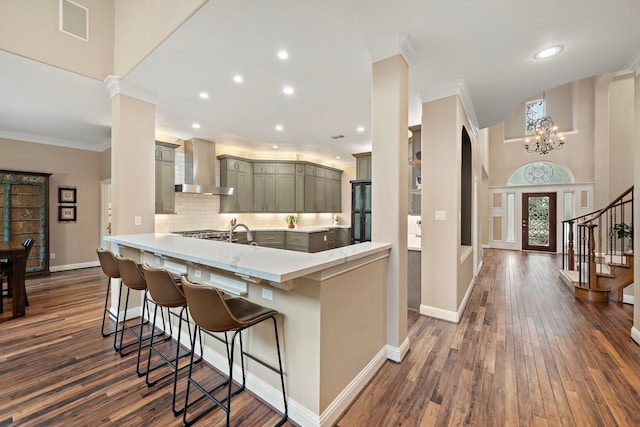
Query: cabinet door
(361, 212)
(321, 195)
(259, 192)
(244, 202)
(300, 190)
(285, 193)
(309, 193)
(165, 183)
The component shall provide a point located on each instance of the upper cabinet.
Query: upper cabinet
(279, 187)
(363, 165)
(415, 173)
(236, 173)
(165, 177)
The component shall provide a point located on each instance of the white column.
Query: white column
(133, 112)
(635, 330)
(389, 170)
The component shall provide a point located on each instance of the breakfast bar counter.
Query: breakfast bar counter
(332, 307)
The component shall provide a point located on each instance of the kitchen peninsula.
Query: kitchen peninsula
(332, 305)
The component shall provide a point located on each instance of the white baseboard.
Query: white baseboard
(635, 335)
(628, 299)
(66, 267)
(448, 315)
(397, 354)
(340, 404)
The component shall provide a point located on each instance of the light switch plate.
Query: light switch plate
(198, 274)
(267, 293)
(137, 220)
(441, 215)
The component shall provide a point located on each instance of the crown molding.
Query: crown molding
(115, 86)
(634, 63)
(39, 139)
(399, 44)
(459, 88)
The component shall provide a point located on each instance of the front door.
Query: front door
(539, 221)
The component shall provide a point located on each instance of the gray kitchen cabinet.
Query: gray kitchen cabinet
(165, 177)
(363, 165)
(270, 239)
(280, 187)
(264, 187)
(306, 242)
(415, 173)
(300, 190)
(285, 193)
(322, 189)
(344, 236)
(236, 173)
(274, 187)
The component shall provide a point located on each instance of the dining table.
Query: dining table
(15, 254)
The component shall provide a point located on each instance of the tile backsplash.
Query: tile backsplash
(201, 212)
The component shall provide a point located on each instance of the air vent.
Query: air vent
(337, 136)
(74, 19)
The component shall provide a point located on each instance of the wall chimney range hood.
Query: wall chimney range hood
(200, 169)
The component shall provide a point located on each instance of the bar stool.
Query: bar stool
(110, 269)
(165, 292)
(133, 278)
(213, 313)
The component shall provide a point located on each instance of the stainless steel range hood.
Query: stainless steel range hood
(200, 169)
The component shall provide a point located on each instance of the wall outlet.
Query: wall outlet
(441, 215)
(137, 220)
(267, 294)
(198, 274)
(53, 255)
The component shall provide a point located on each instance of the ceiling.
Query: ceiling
(482, 50)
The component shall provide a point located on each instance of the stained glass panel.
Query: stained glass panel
(539, 221)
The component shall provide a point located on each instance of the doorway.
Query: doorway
(539, 221)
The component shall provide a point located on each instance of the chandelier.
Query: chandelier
(547, 137)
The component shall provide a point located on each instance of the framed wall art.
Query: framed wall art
(66, 213)
(67, 195)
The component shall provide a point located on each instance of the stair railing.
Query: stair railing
(591, 240)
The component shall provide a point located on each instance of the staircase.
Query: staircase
(597, 254)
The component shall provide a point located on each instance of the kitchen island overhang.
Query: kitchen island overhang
(332, 304)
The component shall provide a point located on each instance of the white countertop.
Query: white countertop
(276, 265)
(314, 229)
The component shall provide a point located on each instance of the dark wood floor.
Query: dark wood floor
(525, 353)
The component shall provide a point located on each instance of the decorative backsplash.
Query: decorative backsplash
(201, 212)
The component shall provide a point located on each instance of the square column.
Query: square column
(390, 193)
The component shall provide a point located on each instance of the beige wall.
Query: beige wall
(142, 25)
(577, 155)
(30, 28)
(621, 131)
(635, 332)
(440, 175)
(73, 243)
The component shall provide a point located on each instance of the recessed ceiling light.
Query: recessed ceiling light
(204, 95)
(283, 54)
(338, 157)
(360, 128)
(279, 127)
(196, 125)
(288, 90)
(238, 78)
(548, 52)
(274, 147)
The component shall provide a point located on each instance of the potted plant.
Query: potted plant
(623, 230)
(291, 220)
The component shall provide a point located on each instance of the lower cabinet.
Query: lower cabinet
(270, 239)
(300, 241)
(306, 242)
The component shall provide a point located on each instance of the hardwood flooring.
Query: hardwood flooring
(526, 352)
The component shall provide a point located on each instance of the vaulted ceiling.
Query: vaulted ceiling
(482, 50)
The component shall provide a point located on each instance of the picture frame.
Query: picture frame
(67, 195)
(66, 213)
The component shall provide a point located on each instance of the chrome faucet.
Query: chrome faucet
(249, 235)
